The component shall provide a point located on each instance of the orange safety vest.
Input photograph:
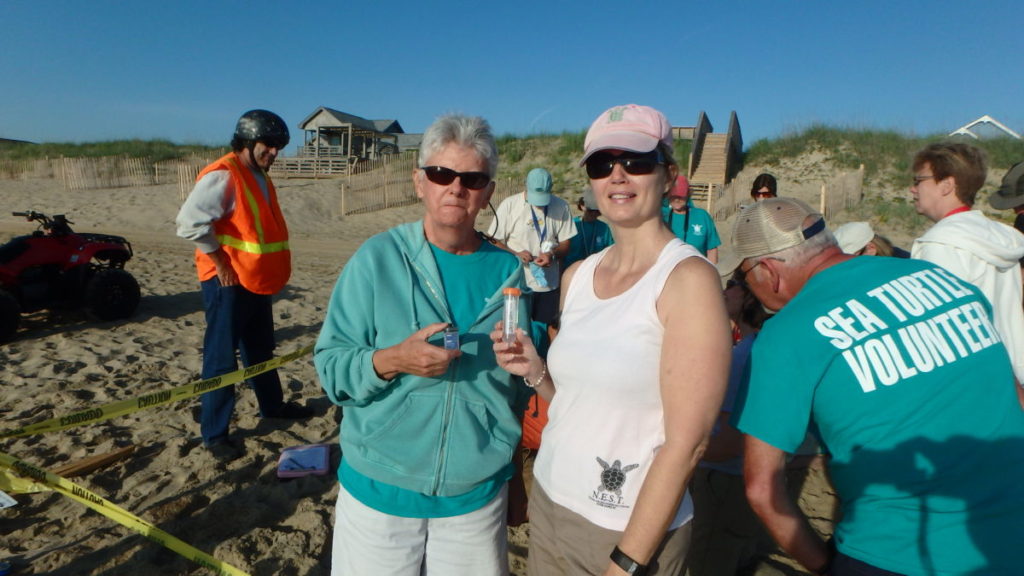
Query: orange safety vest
(254, 236)
(534, 419)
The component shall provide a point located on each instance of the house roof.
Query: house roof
(388, 126)
(409, 141)
(380, 126)
(986, 126)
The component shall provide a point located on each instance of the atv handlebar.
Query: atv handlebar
(58, 224)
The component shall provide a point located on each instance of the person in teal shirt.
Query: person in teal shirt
(691, 224)
(429, 430)
(897, 366)
(592, 235)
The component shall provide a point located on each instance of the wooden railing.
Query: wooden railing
(309, 167)
(322, 151)
(702, 128)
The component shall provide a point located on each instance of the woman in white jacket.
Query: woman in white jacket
(986, 253)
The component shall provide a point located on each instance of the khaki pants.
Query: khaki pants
(566, 544)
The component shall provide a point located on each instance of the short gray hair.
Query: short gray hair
(468, 131)
(796, 256)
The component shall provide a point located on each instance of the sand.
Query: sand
(239, 511)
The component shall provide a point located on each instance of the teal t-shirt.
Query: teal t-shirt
(898, 365)
(590, 238)
(698, 231)
(469, 280)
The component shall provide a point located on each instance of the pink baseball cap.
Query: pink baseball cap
(631, 127)
(681, 188)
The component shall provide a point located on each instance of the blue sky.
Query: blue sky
(78, 71)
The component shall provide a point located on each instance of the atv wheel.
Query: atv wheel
(10, 315)
(112, 294)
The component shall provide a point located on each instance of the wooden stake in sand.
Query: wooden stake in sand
(93, 462)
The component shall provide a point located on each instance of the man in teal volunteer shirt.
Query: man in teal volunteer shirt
(898, 367)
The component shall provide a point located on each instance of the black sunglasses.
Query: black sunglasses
(600, 165)
(445, 176)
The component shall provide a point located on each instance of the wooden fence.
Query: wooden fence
(106, 172)
(373, 185)
(109, 171)
(841, 192)
(25, 169)
(387, 182)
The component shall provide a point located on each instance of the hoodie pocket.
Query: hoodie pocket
(476, 443)
(480, 443)
(407, 440)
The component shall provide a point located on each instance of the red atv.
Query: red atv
(55, 267)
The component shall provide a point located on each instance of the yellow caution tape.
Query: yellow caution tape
(17, 473)
(152, 399)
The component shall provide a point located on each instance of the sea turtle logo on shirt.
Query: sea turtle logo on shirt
(698, 229)
(613, 476)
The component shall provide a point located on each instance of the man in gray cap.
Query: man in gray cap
(1011, 196)
(896, 365)
(536, 225)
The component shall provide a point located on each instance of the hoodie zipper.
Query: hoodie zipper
(449, 396)
(449, 403)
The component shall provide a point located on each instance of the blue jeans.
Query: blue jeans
(236, 319)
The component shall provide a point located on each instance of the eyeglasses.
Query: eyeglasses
(445, 176)
(600, 165)
(919, 179)
(744, 273)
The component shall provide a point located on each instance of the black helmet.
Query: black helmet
(262, 126)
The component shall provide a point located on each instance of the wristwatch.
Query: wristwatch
(626, 563)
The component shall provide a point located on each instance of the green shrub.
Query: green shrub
(154, 150)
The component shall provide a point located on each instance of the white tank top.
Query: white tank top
(606, 421)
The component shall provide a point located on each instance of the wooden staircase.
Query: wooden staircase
(712, 164)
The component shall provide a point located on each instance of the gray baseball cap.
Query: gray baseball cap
(773, 225)
(1011, 193)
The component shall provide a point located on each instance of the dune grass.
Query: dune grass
(881, 151)
(155, 150)
(886, 156)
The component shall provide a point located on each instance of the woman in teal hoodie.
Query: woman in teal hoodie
(429, 431)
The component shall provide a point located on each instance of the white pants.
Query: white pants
(370, 542)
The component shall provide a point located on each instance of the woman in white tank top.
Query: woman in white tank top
(635, 376)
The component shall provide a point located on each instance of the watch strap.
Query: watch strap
(622, 560)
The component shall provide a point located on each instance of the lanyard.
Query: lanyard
(686, 223)
(543, 232)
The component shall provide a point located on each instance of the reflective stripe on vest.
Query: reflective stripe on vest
(252, 247)
(257, 249)
(260, 247)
